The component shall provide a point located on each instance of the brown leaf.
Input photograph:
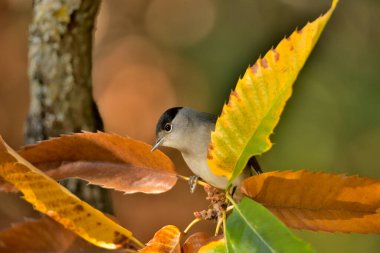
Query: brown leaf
(196, 241)
(52, 199)
(165, 240)
(108, 160)
(36, 236)
(42, 235)
(319, 201)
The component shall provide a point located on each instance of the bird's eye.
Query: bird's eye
(168, 127)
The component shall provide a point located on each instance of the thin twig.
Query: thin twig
(187, 179)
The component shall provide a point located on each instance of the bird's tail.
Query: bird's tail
(253, 163)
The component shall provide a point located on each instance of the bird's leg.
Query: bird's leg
(193, 181)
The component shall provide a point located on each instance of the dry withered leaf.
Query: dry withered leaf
(165, 240)
(42, 235)
(108, 160)
(319, 201)
(197, 240)
(49, 197)
(36, 236)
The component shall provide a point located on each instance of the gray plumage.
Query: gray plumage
(189, 131)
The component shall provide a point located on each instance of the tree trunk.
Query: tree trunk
(60, 62)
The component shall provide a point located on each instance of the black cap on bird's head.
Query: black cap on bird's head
(164, 124)
(166, 117)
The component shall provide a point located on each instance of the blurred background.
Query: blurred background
(151, 55)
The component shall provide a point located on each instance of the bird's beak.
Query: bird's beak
(157, 144)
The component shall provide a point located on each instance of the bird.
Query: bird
(189, 131)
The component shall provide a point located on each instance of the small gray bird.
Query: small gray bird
(189, 131)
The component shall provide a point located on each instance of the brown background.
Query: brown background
(151, 55)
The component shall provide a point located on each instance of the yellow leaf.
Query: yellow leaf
(166, 240)
(214, 247)
(196, 241)
(49, 197)
(254, 108)
(319, 201)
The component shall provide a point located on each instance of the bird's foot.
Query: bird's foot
(193, 181)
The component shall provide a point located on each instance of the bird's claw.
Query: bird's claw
(193, 181)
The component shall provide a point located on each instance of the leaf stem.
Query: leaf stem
(140, 244)
(130, 251)
(225, 229)
(195, 221)
(230, 199)
(218, 225)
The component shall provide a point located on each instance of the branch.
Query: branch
(60, 61)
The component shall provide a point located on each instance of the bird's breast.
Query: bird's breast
(198, 165)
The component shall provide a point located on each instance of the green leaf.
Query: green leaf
(254, 108)
(252, 228)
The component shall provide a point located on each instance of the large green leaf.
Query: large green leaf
(254, 108)
(252, 228)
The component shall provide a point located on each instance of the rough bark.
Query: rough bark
(60, 62)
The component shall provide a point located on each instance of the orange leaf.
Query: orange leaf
(165, 240)
(108, 160)
(197, 240)
(319, 201)
(49, 197)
